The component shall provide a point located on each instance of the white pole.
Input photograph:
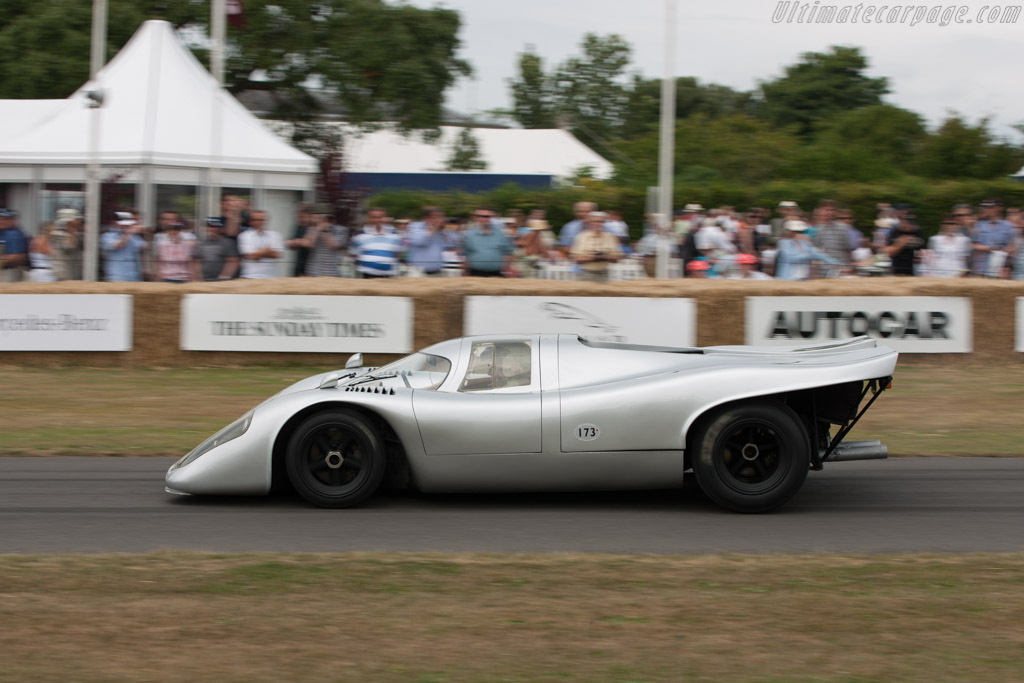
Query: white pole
(666, 145)
(217, 30)
(90, 256)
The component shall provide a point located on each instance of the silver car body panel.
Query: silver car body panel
(593, 416)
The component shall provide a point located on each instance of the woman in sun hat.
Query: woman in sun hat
(796, 252)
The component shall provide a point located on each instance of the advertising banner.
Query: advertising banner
(908, 324)
(65, 322)
(296, 324)
(1019, 345)
(657, 322)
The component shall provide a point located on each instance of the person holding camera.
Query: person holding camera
(121, 249)
(594, 248)
(903, 244)
(324, 239)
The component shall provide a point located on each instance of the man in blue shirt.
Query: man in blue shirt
(485, 246)
(991, 233)
(378, 248)
(121, 248)
(428, 240)
(13, 247)
(570, 230)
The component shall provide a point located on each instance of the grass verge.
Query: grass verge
(395, 617)
(932, 409)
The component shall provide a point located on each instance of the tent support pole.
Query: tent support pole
(90, 256)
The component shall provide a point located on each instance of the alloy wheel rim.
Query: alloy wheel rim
(334, 459)
(752, 456)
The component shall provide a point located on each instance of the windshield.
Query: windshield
(421, 370)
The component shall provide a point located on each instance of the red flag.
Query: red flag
(236, 13)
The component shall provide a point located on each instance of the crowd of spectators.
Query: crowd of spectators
(980, 241)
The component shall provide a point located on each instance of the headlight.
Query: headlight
(232, 431)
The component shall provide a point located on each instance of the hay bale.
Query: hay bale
(438, 304)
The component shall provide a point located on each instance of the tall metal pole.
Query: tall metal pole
(90, 256)
(666, 145)
(218, 18)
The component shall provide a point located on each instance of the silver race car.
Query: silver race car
(546, 412)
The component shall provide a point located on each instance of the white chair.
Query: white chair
(557, 271)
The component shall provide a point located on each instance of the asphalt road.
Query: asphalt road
(902, 505)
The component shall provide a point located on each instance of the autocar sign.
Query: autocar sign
(908, 324)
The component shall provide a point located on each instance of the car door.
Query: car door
(491, 406)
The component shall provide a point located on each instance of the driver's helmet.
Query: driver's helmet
(512, 361)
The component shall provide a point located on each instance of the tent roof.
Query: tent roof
(517, 151)
(158, 110)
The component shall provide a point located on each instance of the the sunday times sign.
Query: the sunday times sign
(296, 324)
(908, 324)
(65, 322)
(658, 322)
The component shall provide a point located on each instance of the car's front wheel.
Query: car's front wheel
(751, 456)
(336, 459)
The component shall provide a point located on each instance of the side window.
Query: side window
(498, 365)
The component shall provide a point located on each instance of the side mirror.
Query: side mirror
(354, 361)
(94, 98)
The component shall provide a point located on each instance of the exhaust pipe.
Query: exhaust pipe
(858, 450)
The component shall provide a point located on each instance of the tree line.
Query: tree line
(823, 118)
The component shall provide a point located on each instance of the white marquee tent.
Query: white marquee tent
(164, 122)
(550, 152)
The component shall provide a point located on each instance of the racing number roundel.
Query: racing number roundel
(587, 432)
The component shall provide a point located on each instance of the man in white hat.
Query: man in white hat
(788, 211)
(121, 248)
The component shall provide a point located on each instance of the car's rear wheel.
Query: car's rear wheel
(336, 459)
(751, 456)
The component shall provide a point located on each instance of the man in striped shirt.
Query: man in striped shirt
(378, 248)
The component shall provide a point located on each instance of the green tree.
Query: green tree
(737, 148)
(375, 60)
(465, 154)
(588, 92)
(643, 106)
(959, 150)
(47, 42)
(819, 86)
(532, 96)
(872, 143)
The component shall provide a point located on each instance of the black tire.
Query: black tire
(751, 456)
(336, 459)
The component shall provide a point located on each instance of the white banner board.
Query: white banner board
(296, 324)
(65, 322)
(658, 322)
(1019, 345)
(908, 324)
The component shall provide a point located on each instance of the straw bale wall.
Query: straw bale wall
(438, 307)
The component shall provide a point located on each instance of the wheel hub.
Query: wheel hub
(750, 452)
(334, 459)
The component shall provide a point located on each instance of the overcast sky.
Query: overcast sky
(968, 67)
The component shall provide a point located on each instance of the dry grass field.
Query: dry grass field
(432, 618)
(938, 409)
